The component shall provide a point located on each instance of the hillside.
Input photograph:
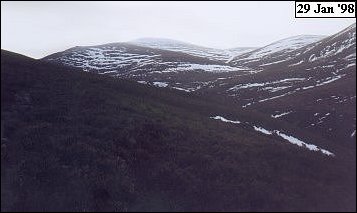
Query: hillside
(316, 89)
(78, 141)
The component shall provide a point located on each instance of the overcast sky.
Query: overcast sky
(37, 29)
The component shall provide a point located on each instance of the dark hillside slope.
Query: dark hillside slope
(77, 141)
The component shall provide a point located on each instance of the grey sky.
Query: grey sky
(37, 29)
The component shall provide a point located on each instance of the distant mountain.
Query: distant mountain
(119, 59)
(178, 46)
(195, 50)
(145, 64)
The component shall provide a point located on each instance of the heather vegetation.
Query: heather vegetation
(77, 141)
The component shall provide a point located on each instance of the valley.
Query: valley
(164, 125)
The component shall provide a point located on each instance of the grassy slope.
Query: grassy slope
(79, 141)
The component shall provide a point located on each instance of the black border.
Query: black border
(324, 1)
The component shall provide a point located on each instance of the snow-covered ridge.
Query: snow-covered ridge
(352, 27)
(178, 46)
(195, 50)
(336, 47)
(288, 44)
(116, 60)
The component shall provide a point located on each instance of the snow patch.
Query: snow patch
(182, 89)
(280, 115)
(225, 120)
(160, 84)
(262, 130)
(142, 82)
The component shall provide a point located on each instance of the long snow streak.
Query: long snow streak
(289, 138)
